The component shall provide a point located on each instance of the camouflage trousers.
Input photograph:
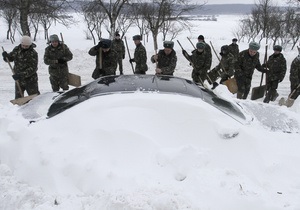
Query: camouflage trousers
(271, 93)
(140, 69)
(59, 78)
(244, 85)
(120, 63)
(198, 78)
(29, 85)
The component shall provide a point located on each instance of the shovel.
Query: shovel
(289, 101)
(259, 92)
(22, 100)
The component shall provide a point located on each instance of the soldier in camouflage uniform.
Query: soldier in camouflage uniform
(109, 62)
(119, 47)
(166, 59)
(25, 59)
(247, 61)
(295, 76)
(234, 48)
(277, 69)
(140, 56)
(207, 49)
(227, 62)
(57, 54)
(200, 62)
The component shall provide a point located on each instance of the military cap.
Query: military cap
(168, 44)
(254, 46)
(201, 37)
(234, 39)
(54, 38)
(137, 37)
(105, 43)
(277, 48)
(117, 34)
(200, 45)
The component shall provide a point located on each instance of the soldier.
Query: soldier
(200, 62)
(119, 47)
(207, 49)
(57, 54)
(140, 56)
(227, 62)
(166, 59)
(295, 77)
(277, 69)
(234, 48)
(26, 65)
(247, 61)
(107, 64)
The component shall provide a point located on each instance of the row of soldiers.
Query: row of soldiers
(110, 53)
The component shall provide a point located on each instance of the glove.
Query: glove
(264, 65)
(5, 55)
(280, 80)
(16, 76)
(131, 60)
(123, 56)
(61, 61)
(264, 70)
(97, 47)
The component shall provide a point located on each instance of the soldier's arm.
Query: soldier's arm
(294, 72)
(68, 54)
(123, 48)
(12, 54)
(142, 57)
(283, 66)
(47, 59)
(238, 66)
(230, 70)
(93, 51)
(170, 69)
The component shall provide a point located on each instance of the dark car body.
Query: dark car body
(162, 84)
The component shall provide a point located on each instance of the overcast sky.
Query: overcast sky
(279, 2)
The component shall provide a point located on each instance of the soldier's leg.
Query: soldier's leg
(120, 61)
(247, 88)
(241, 87)
(54, 83)
(17, 91)
(32, 87)
(273, 89)
(64, 80)
(268, 93)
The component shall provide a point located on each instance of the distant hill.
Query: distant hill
(219, 9)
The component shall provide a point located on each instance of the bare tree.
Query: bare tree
(159, 12)
(10, 16)
(112, 10)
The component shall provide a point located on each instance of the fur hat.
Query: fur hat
(234, 40)
(168, 44)
(254, 46)
(26, 40)
(277, 48)
(201, 37)
(137, 37)
(54, 38)
(200, 45)
(105, 43)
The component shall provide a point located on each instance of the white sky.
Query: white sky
(279, 2)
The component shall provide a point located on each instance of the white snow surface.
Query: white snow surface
(147, 150)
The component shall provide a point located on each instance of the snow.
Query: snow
(147, 151)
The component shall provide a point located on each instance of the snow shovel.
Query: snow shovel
(73, 79)
(259, 92)
(22, 100)
(289, 101)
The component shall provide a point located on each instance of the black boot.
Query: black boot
(215, 84)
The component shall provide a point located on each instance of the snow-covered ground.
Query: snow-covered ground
(147, 151)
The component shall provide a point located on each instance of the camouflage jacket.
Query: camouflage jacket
(52, 54)
(295, 73)
(140, 58)
(207, 49)
(109, 62)
(119, 47)
(245, 65)
(26, 62)
(166, 63)
(200, 61)
(227, 62)
(234, 49)
(277, 67)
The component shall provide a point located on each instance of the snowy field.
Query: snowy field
(147, 151)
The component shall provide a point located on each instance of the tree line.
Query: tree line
(166, 17)
(278, 25)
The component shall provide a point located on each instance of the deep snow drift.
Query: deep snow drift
(147, 151)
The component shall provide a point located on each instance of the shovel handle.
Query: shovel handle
(12, 70)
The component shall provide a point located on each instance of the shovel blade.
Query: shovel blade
(74, 80)
(258, 92)
(23, 100)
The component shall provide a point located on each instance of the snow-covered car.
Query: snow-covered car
(160, 84)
